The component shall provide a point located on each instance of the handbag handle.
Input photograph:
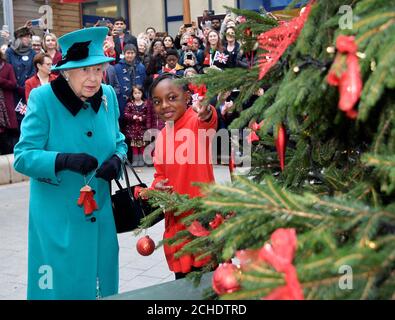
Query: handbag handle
(126, 162)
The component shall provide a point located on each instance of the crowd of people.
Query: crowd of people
(25, 63)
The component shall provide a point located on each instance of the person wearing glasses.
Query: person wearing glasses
(43, 64)
(36, 44)
(231, 46)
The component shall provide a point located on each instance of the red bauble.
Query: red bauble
(145, 246)
(225, 280)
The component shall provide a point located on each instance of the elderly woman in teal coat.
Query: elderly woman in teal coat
(70, 139)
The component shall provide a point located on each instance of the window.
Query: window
(174, 16)
(107, 9)
(268, 5)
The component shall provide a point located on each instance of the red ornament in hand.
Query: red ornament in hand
(145, 246)
(87, 201)
(225, 279)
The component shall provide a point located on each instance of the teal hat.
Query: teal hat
(83, 48)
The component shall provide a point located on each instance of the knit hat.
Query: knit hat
(130, 47)
(22, 31)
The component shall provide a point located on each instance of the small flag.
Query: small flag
(195, 98)
(21, 107)
(221, 57)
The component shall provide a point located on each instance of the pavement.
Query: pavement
(136, 271)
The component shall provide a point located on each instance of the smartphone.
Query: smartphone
(233, 96)
(189, 56)
(35, 22)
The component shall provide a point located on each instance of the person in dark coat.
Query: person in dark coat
(130, 72)
(8, 122)
(20, 55)
(232, 47)
(122, 38)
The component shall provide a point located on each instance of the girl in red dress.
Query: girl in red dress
(187, 129)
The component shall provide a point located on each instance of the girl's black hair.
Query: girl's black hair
(138, 87)
(164, 76)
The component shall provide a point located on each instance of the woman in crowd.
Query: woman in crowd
(8, 122)
(43, 64)
(214, 54)
(51, 47)
(232, 47)
(168, 41)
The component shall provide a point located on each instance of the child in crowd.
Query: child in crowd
(177, 171)
(137, 120)
(172, 65)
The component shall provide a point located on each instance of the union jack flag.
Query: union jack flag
(221, 57)
(195, 98)
(21, 108)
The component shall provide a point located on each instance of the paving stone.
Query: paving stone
(136, 271)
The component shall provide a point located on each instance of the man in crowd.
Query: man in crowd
(122, 38)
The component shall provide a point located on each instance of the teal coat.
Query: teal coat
(70, 254)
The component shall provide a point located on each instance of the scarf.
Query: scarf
(19, 48)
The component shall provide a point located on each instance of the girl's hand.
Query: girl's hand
(204, 112)
(135, 117)
(161, 186)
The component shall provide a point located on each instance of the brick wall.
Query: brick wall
(66, 17)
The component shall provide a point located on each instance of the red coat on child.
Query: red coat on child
(197, 168)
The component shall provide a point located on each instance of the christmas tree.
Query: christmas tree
(323, 166)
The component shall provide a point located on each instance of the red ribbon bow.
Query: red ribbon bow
(279, 254)
(252, 137)
(198, 230)
(345, 73)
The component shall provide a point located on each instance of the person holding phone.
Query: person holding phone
(20, 55)
(122, 38)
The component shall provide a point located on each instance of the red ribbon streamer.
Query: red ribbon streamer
(345, 73)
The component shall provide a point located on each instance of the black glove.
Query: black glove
(78, 162)
(109, 170)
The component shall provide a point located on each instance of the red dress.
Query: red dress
(192, 165)
(135, 128)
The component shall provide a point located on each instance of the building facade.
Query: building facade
(163, 15)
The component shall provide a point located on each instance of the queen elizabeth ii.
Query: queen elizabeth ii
(70, 138)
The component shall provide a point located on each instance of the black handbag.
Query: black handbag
(127, 210)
